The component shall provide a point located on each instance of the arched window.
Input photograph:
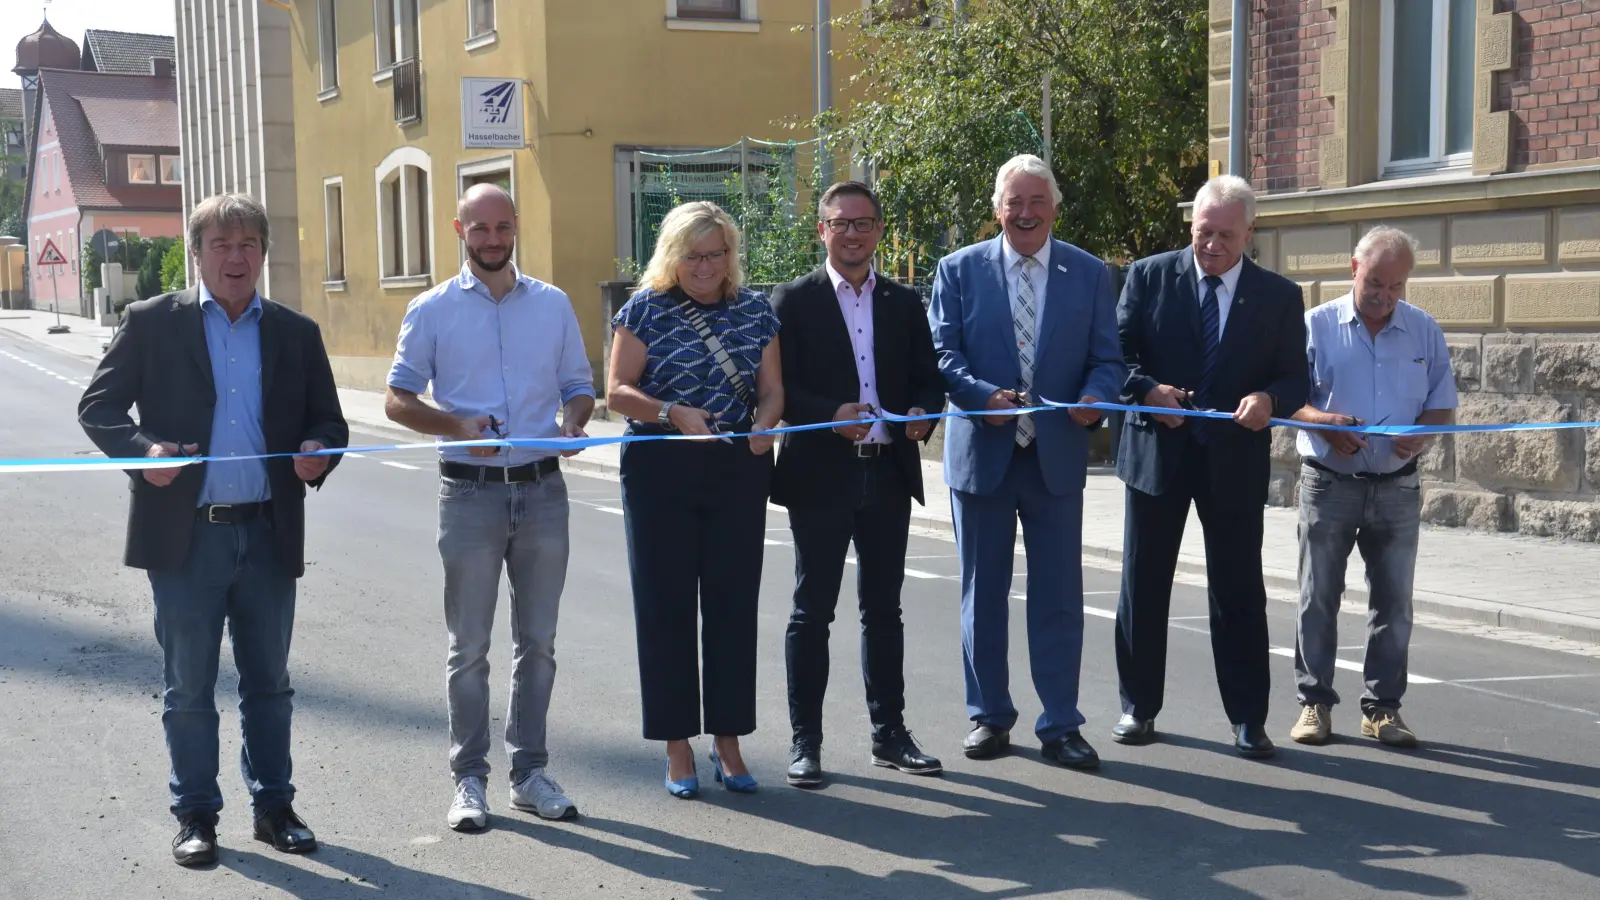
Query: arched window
(405, 215)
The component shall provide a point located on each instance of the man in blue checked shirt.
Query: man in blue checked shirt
(504, 355)
(1375, 359)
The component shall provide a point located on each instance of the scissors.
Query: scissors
(498, 427)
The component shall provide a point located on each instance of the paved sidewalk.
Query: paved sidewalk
(1513, 581)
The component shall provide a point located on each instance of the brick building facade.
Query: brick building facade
(1473, 125)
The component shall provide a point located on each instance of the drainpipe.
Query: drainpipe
(1239, 95)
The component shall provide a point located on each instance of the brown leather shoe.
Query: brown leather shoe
(1315, 725)
(1387, 727)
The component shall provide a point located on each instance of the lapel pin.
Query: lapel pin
(1060, 268)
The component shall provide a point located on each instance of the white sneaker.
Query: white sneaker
(470, 809)
(538, 793)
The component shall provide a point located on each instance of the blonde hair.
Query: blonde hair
(685, 226)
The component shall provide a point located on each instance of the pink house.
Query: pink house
(104, 157)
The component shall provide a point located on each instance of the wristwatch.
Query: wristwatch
(664, 417)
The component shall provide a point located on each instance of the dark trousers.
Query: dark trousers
(878, 525)
(1153, 532)
(232, 577)
(695, 515)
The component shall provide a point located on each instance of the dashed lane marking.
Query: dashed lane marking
(35, 366)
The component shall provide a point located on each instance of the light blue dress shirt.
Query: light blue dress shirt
(236, 430)
(519, 360)
(1388, 380)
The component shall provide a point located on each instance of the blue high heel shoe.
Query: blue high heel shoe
(685, 789)
(739, 784)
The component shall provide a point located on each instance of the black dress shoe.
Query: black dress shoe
(806, 770)
(896, 750)
(1072, 751)
(985, 741)
(1130, 730)
(1252, 742)
(284, 830)
(196, 843)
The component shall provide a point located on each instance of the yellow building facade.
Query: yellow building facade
(380, 155)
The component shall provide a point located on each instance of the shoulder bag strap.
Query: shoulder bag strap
(741, 387)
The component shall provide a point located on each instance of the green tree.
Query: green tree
(173, 273)
(11, 196)
(151, 265)
(944, 106)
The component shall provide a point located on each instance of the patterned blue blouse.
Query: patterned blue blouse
(679, 368)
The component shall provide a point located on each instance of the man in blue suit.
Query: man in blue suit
(1017, 318)
(1203, 327)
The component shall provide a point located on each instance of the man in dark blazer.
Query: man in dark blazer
(219, 371)
(1203, 327)
(1015, 319)
(854, 343)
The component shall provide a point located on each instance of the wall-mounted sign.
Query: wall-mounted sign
(491, 113)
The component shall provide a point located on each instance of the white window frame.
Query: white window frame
(416, 227)
(476, 39)
(1437, 162)
(155, 171)
(328, 281)
(749, 20)
(488, 166)
(389, 15)
(328, 49)
(161, 168)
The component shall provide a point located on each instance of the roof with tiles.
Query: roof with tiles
(124, 52)
(10, 104)
(95, 110)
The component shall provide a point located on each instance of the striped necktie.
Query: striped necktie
(1023, 319)
(1211, 331)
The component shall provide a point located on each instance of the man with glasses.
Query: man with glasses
(855, 344)
(503, 354)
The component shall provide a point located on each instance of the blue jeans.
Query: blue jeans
(486, 528)
(1382, 519)
(1052, 535)
(231, 575)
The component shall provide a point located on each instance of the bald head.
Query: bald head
(486, 220)
(485, 201)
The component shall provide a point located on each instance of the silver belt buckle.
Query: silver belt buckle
(211, 513)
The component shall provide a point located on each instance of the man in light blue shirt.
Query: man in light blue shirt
(1377, 360)
(503, 354)
(234, 346)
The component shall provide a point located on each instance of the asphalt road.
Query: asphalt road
(1504, 800)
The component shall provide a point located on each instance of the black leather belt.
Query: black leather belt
(1407, 469)
(871, 451)
(230, 513)
(534, 471)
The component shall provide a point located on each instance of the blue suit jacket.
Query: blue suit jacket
(1076, 352)
(1263, 349)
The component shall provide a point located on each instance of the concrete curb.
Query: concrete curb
(1552, 624)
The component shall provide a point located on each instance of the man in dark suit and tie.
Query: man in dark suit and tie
(1207, 328)
(219, 371)
(854, 343)
(1015, 319)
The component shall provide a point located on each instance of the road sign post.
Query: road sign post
(51, 256)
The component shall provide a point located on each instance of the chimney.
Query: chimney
(161, 66)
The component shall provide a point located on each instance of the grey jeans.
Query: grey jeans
(483, 527)
(1382, 519)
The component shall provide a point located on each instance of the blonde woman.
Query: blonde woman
(697, 354)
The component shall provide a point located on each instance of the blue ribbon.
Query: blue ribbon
(560, 444)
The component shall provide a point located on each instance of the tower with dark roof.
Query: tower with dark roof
(44, 49)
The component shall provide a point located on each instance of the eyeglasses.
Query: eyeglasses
(716, 256)
(862, 225)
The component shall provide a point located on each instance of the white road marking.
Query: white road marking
(918, 573)
(1348, 666)
(38, 368)
(1521, 678)
(772, 543)
(390, 463)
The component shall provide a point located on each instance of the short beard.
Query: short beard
(487, 266)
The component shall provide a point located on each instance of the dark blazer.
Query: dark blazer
(158, 362)
(819, 376)
(1263, 349)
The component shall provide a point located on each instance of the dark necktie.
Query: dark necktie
(1211, 333)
